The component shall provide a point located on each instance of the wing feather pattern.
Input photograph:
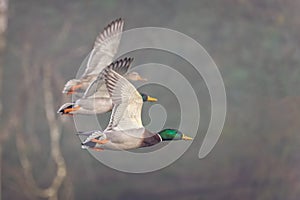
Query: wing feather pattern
(105, 47)
(127, 110)
(97, 86)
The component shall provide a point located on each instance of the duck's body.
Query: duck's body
(125, 140)
(87, 106)
(125, 129)
(93, 105)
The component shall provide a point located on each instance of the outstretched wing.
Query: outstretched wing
(127, 110)
(105, 47)
(98, 87)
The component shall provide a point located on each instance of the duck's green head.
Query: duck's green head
(173, 134)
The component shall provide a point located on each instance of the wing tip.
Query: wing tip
(120, 66)
(112, 29)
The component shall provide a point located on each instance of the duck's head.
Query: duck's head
(134, 76)
(173, 134)
(146, 97)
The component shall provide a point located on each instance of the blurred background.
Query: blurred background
(256, 47)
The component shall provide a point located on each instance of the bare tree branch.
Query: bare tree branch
(50, 192)
(55, 133)
(54, 127)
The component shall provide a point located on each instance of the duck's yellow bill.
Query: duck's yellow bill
(151, 99)
(184, 137)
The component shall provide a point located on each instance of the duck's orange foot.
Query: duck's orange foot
(100, 141)
(68, 110)
(97, 149)
(74, 88)
(70, 92)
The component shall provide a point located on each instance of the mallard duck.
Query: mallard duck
(125, 129)
(102, 54)
(96, 99)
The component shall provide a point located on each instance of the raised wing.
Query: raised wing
(98, 87)
(127, 110)
(105, 48)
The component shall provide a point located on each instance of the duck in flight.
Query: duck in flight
(102, 54)
(125, 129)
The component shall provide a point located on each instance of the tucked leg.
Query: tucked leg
(100, 141)
(97, 149)
(68, 110)
(74, 88)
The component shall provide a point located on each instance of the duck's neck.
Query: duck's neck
(152, 140)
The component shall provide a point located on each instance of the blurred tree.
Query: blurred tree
(3, 27)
